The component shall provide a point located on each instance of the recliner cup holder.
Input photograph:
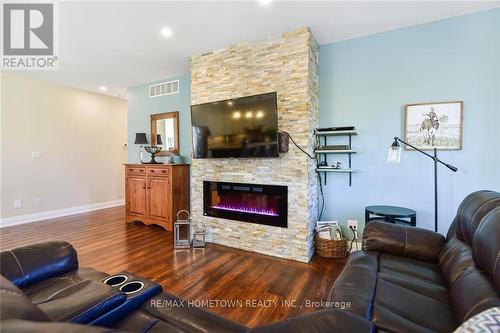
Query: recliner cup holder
(136, 289)
(116, 280)
(132, 287)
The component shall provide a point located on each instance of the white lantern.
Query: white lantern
(182, 231)
(199, 236)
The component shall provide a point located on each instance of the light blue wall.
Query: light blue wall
(140, 107)
(367, 81)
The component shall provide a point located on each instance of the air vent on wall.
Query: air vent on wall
(164, 88)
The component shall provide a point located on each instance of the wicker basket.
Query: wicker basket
(330, 248)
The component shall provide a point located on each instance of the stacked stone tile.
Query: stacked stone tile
(287, 64)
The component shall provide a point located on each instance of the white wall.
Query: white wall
(79, 135)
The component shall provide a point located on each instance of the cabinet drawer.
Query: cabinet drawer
(158, 171)
(136, 170)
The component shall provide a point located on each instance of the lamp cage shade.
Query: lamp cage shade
(158, 140)
(394, 153)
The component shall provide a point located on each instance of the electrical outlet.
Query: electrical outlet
(18, 203)
(353, 224)
(35, 154)
(37, 202)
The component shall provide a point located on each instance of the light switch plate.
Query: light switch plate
(18, 203)
(35, 154)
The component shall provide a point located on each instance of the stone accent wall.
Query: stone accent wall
(287, 64)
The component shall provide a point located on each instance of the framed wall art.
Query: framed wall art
(434, 125)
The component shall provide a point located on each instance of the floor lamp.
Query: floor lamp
(394, 156)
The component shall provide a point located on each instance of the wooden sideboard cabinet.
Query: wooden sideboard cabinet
(154, 193)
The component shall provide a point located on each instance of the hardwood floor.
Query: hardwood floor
(105, 242)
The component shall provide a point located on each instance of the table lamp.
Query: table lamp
(141, 140)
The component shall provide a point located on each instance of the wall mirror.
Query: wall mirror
(167, 126)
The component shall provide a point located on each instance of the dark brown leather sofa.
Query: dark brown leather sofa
(413, 280)
(405, 280)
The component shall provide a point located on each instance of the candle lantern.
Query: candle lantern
(199, 236)
(182, 230)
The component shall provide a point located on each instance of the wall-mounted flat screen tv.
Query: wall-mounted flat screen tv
(240, 127)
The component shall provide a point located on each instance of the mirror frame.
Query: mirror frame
(160, 116)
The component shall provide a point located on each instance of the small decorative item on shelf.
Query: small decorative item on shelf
(334, 147)
(199, 235)
(335, 165)
(182, 231)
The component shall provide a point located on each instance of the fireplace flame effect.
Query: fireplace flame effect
(251, 210)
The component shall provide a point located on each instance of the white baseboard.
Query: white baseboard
(22, 219)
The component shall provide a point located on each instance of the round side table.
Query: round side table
(391, 214)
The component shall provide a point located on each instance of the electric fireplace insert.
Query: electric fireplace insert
(254, 203)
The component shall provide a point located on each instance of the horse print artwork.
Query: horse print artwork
(434, 125)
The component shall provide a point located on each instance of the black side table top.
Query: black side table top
(391, 211)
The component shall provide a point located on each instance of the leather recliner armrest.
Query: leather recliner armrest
(327, 321)
(32, 263)
(15, 305)
(405, 241)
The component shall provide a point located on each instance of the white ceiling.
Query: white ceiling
(118, 44)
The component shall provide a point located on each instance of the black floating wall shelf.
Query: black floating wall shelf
(321, 154)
